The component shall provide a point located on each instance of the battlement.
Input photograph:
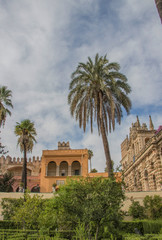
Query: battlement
(63, 146)
(15, 161)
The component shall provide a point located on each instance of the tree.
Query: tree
(159, 8)
(136, 210)
(94, 170)
(153, 206)
(26, 133)
(29, 211)
(90, 155)
(98, 91)
(93, 202)
(6, 182)
(5, 101)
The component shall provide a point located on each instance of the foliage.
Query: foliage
(9, 206)
(26, 133)
(95, 203)
(94, 170)
(29, 211)
(153, 206)
(142, 226)
(98, 92)
(136, 210)
(7, 224)
(5, 101)
(151, 209)
(6, 182)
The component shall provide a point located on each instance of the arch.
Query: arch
(35, 189)
(17, 171)
(51, 169)
(146, 140)
(63, 168)
(76, 168)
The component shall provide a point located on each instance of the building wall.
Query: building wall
(14, 165)
(142, 158)
(60, 174)
(137, 196)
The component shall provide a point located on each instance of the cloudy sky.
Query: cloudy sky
(41, 43)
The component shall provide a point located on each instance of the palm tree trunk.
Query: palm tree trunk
(107, 151)
(159, 8)
(24, 170)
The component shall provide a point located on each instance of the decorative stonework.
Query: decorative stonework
(142, 158)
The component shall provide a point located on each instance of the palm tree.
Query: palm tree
(90, 155)
(159, 8)
(5, 101)
(26, 133)
(97, 92)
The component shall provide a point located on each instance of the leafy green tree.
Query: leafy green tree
(9, 206)
(153, 206)
(26, 133)
(29, 211)
(98, 91)
(136, 210)
(5, 101)
(93, 202)
(6, 182)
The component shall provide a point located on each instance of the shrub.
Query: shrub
(136, 210)
(93, 202)
(153, 206)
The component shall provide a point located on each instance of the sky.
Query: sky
(41, 44)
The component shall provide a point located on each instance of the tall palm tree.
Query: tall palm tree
(98, 91)
(26, 133)
(5, 101)
(159, 8)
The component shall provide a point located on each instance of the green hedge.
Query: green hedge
(146, 237)
(6, 224)
(142, 226)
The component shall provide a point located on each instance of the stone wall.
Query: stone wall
(137, 196)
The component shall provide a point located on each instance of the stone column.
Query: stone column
(57, 170)
(69, 170)
(46, 170)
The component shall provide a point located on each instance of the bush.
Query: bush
(136, 210)
(153, 206)
(9, 205)
(142, 226)
(93, 202)
(151, 209)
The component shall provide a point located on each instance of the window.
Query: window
(60, 182)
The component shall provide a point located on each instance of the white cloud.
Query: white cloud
(41, 44)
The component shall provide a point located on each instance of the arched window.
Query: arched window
(35, 189)
(76, 168)
(63, 168)
(51, 169)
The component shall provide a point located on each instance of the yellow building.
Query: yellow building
(57, 165)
